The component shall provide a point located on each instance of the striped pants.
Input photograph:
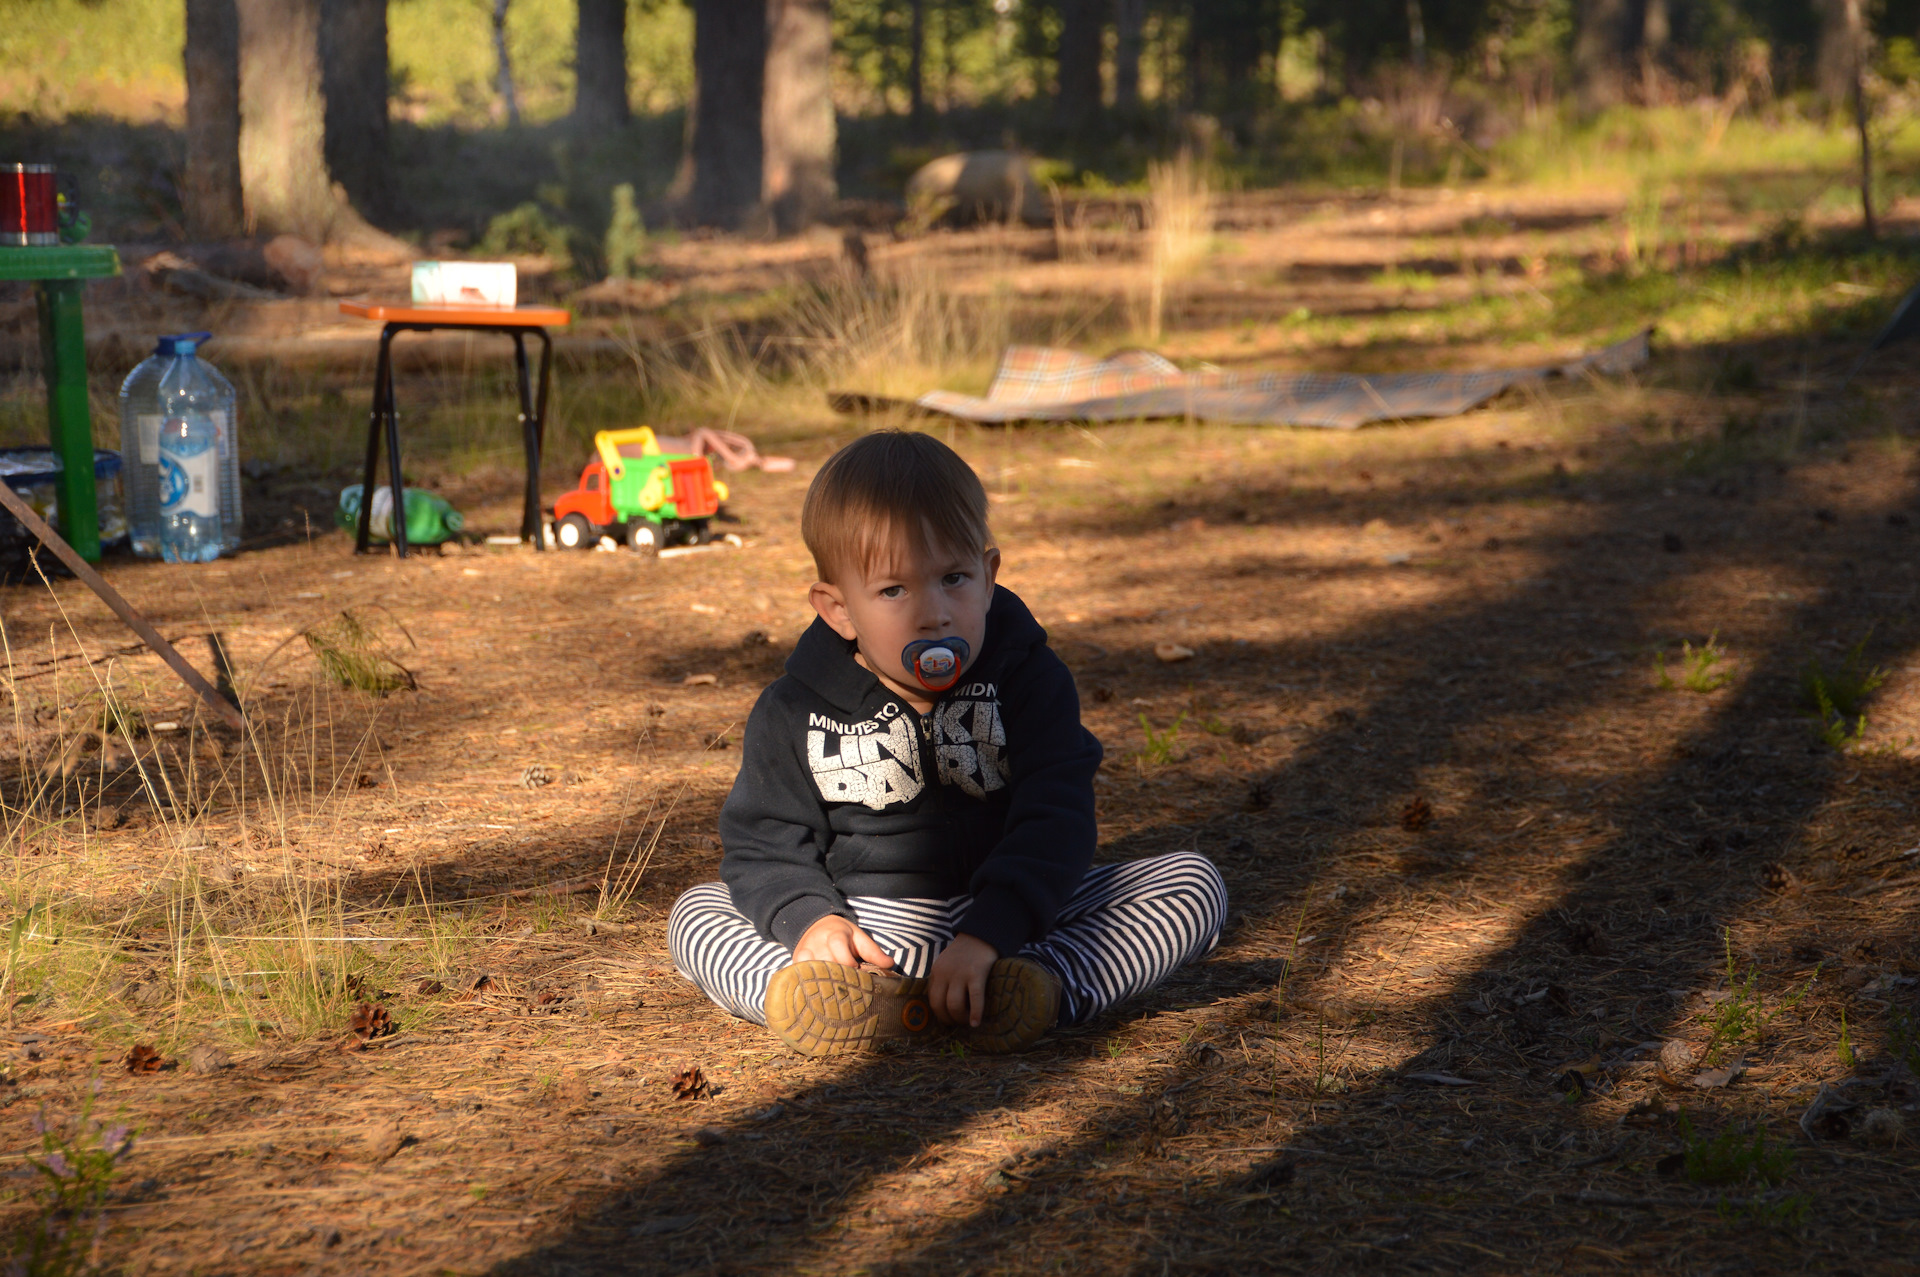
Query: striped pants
(1125, 929)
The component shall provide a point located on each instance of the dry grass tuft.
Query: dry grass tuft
(1180, 223)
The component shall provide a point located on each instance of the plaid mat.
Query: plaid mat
(1038, 383)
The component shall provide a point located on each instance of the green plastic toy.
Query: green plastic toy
(430, 520)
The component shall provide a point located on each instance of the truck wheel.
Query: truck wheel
(643, 537)
(575, 533)
(699, 533)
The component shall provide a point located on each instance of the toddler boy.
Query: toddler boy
(911, 833)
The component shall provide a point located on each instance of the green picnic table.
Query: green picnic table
(58, 275)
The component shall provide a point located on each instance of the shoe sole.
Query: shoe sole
(1023, 1002)
(823, 1008)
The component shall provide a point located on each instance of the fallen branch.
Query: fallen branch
(229, 712)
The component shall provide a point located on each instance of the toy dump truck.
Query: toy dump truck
(660, 499)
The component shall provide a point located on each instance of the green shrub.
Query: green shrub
(626, 234)
(529, 231)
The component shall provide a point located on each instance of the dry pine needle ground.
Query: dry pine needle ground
(1527, 944)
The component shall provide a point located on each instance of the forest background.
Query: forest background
(1271, 91)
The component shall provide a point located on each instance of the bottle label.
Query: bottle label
(189, 485)
(219, 418)
(149, 427)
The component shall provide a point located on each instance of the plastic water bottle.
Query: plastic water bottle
(175, 396)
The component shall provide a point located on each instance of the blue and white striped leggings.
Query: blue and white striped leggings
(1125, 929)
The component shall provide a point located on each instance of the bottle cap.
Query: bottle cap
(180, 343)
(935, 663)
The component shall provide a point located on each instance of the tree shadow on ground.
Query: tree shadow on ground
(1588, 925)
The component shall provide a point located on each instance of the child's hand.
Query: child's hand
(957, 986)
(834, 939)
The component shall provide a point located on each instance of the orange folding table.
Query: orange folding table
(517, 322)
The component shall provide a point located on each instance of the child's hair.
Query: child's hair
(888, 490)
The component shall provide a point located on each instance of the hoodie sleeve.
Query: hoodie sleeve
(774, 832)
(1048, 841)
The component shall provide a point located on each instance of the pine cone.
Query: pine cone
(689, 1084)
(1678, 1061)
(143, 1059)
(370, 1020)
(1416, 815)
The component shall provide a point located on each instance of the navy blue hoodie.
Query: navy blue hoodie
(845, 791)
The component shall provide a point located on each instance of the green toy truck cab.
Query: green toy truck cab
(662, 499)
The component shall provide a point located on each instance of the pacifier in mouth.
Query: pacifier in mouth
(935, 663)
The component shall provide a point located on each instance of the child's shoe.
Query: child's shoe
(824, 1008)
(1023, 1002)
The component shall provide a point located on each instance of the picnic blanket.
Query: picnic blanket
(1040, 383)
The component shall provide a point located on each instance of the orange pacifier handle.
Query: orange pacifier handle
(935, 663)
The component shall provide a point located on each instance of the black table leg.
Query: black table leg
(386, 417)
(537, 443)
(393, 470)
(376, 419)
(530, 520)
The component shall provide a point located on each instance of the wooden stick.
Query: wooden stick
(229, 712)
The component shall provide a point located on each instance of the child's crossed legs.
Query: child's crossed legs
(1125, 929)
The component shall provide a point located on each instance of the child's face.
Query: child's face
(931, 594)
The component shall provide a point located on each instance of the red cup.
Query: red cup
(29, 206)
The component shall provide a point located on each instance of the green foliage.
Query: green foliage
(1903, 1038)
(1845, 1047)
(1900, 61)
(353, 655)
(1843, 691)
(1833, 731)
(1731, 1158)
(1697, 672)
(1834, 696)
(1743, 1015)
(17, 933)
(1790, 1211)
(117, 716)
(63, 57)
(74, 1171)
(1159, 750)
(442, 51)
(528, 231)
(626, 234)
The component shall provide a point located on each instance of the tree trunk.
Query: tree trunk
(1656, 28)
(503, 64)
(353, 77)
(212, 186)
(600, 66)
(283, 162)
(1599, 51)
(1854, 22)
(797, 128)
(1078, 102)
(724, 146)
(1130, 26)
(1843, 41)
(917, 66)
